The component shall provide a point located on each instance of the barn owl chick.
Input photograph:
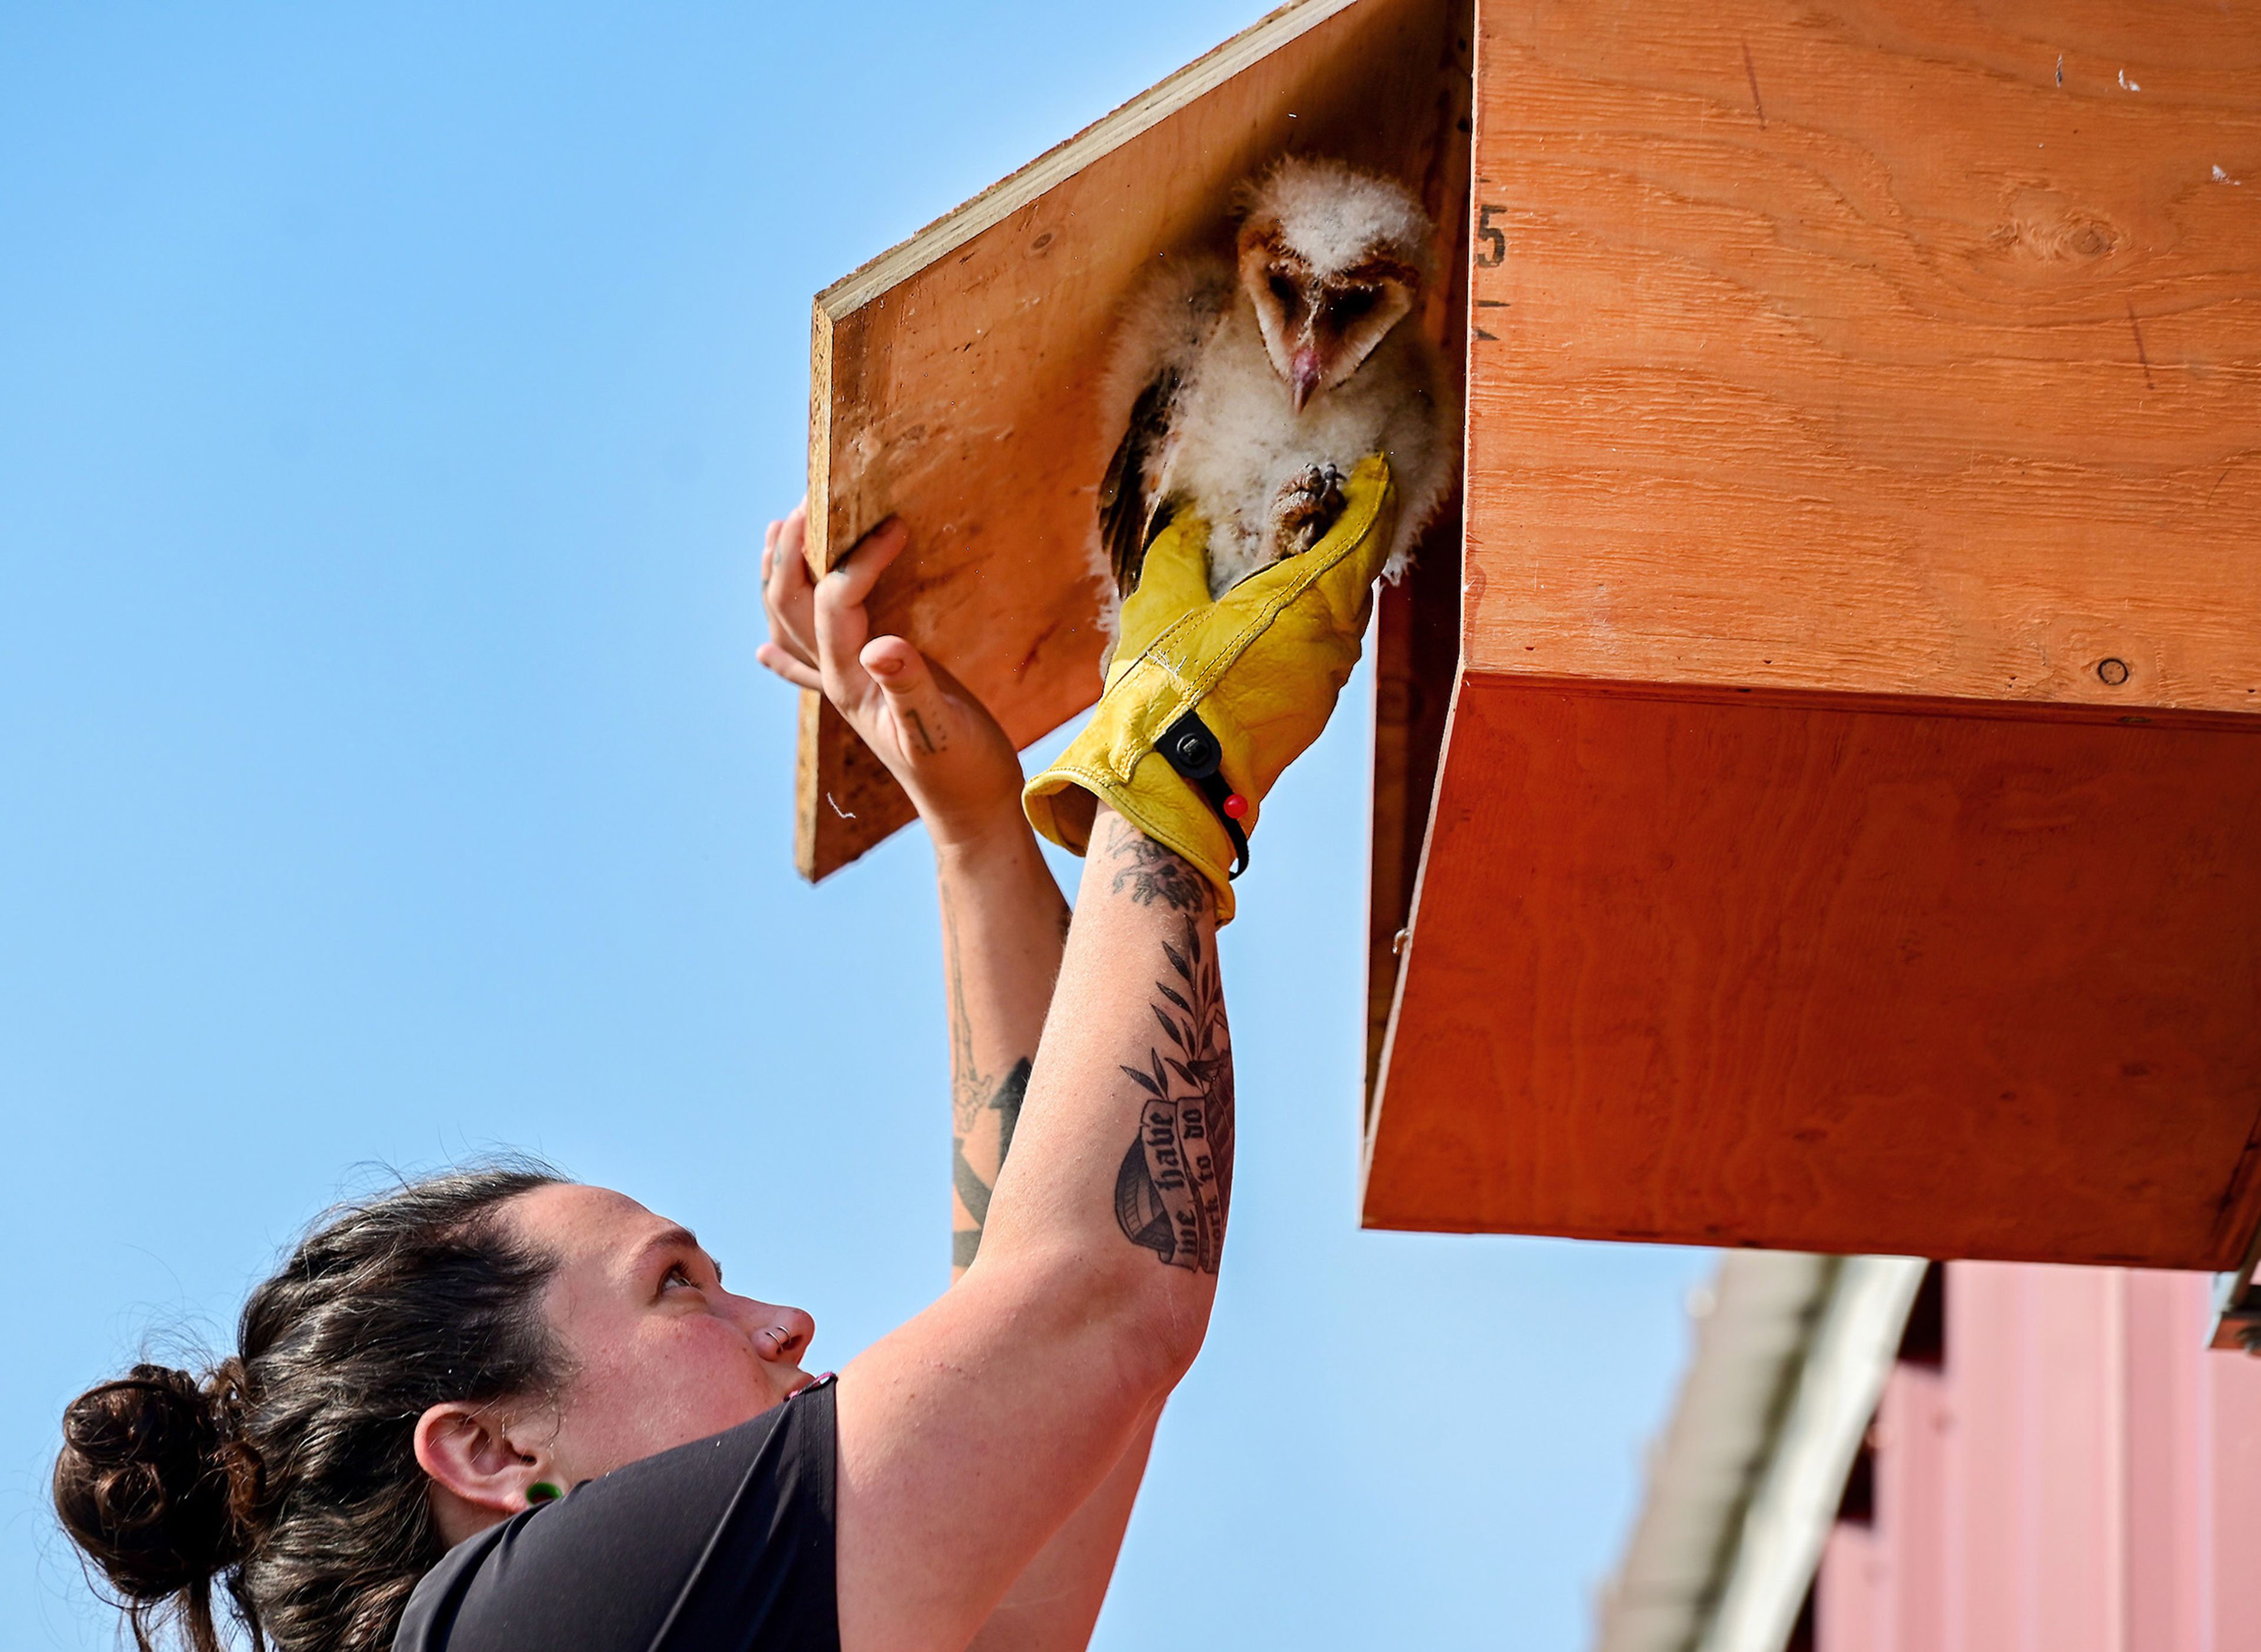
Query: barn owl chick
(1246, 390)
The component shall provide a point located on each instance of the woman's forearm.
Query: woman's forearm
(1004, 923)
(1123, 1161)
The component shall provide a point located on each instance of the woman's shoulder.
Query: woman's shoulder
(692, 1547)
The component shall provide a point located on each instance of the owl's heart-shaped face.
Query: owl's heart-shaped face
(1317, 328)
(1332, 258)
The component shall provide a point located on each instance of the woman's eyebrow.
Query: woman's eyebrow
(668, 1239)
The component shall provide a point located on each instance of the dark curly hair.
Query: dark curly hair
(288, 1474)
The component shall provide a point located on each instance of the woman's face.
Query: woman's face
(660, 1354)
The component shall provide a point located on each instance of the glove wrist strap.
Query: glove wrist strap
(1189, 748)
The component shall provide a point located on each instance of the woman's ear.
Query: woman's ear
(478, 1475)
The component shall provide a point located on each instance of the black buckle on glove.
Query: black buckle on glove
(1194, 752)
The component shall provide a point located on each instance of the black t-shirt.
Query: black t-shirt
(724, 1544)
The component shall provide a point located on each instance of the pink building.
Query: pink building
(2073, 1471)
(2056, 1462)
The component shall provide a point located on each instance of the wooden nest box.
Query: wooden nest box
(1818, 798)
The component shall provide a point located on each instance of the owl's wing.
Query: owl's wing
(1126, 509)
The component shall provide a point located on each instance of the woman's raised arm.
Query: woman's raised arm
(975, 1434)
(971, 1436)
(1003, 921)
(1004, 924)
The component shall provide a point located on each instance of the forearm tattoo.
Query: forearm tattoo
(984, 1111)
(1000, 1109)
(1176, 1184)
(1149, 873)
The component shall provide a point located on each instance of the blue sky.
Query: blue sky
(390, 400)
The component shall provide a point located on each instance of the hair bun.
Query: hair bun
(154, 1482)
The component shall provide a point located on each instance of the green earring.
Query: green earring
(541, 1491)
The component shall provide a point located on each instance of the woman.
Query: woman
(496, 1410)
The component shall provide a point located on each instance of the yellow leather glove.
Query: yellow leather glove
(1206, 702)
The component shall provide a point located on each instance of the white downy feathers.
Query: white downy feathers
(1212, 358)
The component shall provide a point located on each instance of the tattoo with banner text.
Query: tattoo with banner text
(1176, 1184)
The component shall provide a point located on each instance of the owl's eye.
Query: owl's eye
(1350, 304)
(1284, 290)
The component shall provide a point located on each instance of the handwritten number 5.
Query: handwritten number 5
(1491, 242)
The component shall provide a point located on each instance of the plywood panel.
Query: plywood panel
(953, 378)
(1830, 978)
(1417, 649)
(1877, 346)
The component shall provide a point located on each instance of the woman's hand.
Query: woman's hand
(937, 739)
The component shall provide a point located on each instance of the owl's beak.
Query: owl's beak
(1305, 377)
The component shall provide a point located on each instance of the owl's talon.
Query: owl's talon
(1306, 506)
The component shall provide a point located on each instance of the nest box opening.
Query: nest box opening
(955, 378)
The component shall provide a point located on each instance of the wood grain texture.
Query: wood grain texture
(1417, 651)
(1830, 978)
(954, 379)
(844, 799)
(1871, 346)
